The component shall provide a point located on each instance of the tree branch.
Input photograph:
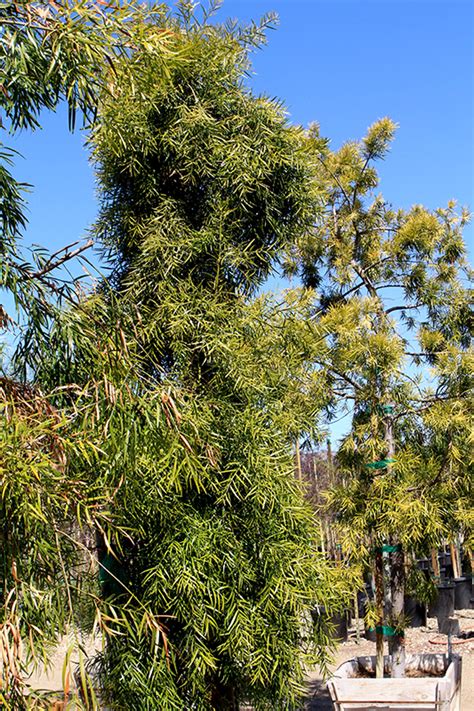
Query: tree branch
(403, 308)
(52, 264)
(335, 178)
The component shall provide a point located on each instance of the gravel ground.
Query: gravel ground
(418, 640)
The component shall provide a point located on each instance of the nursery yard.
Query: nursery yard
(419, 640)
(175, 534)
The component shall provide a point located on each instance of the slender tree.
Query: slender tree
(393, 312)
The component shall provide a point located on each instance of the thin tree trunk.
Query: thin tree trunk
(379, 594)
(330, 469)
(454, 560)
(397, 642)
(471, 560)
(435, 563)
(397, 577)
(356, 617)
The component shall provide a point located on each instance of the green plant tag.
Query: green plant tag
(381, 464)
(388, 549)
(388, 631)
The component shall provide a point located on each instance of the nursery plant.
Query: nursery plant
(202, 186)
(180, 389)
(393, 310)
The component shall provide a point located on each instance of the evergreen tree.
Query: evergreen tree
(202, 186)
(395, 343)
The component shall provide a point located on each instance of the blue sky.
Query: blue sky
(342, 63)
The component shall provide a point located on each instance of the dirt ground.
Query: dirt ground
(419, 640)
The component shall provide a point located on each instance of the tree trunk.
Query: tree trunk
(435, 564)
(471, 560)
(397, 575)
(356, 616)
(455, 560)
(379, 594)
(397, 642)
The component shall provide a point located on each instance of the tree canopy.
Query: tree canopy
(149, 425)
(202, 186)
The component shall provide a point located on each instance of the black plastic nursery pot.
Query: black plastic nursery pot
(423, 563)
(341, 626)
(339, 622)
(445, 565)
(443, 605)
(361, 599)
(370, 634)
(415, 611)
(462, 593)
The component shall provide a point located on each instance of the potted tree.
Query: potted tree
(393, 347)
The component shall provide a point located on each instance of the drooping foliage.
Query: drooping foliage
(202, 185)
(174, 399)
(52, 53)
(50, 502)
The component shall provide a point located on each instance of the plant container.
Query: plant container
(436, 685)
(415, 611)
(339, 622)
(443, 605)
(462, 593)
(423, 564)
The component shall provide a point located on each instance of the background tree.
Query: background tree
(395, 321)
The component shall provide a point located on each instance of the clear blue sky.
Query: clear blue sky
(343, 63)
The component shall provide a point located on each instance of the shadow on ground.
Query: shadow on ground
(318, 698)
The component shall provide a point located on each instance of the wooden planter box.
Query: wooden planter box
(439, 693)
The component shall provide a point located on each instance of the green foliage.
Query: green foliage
(199, 177)
(50, 53)
(50, 501)
(202, 185)
(44, 576)
(395, 328)
(175, 400)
